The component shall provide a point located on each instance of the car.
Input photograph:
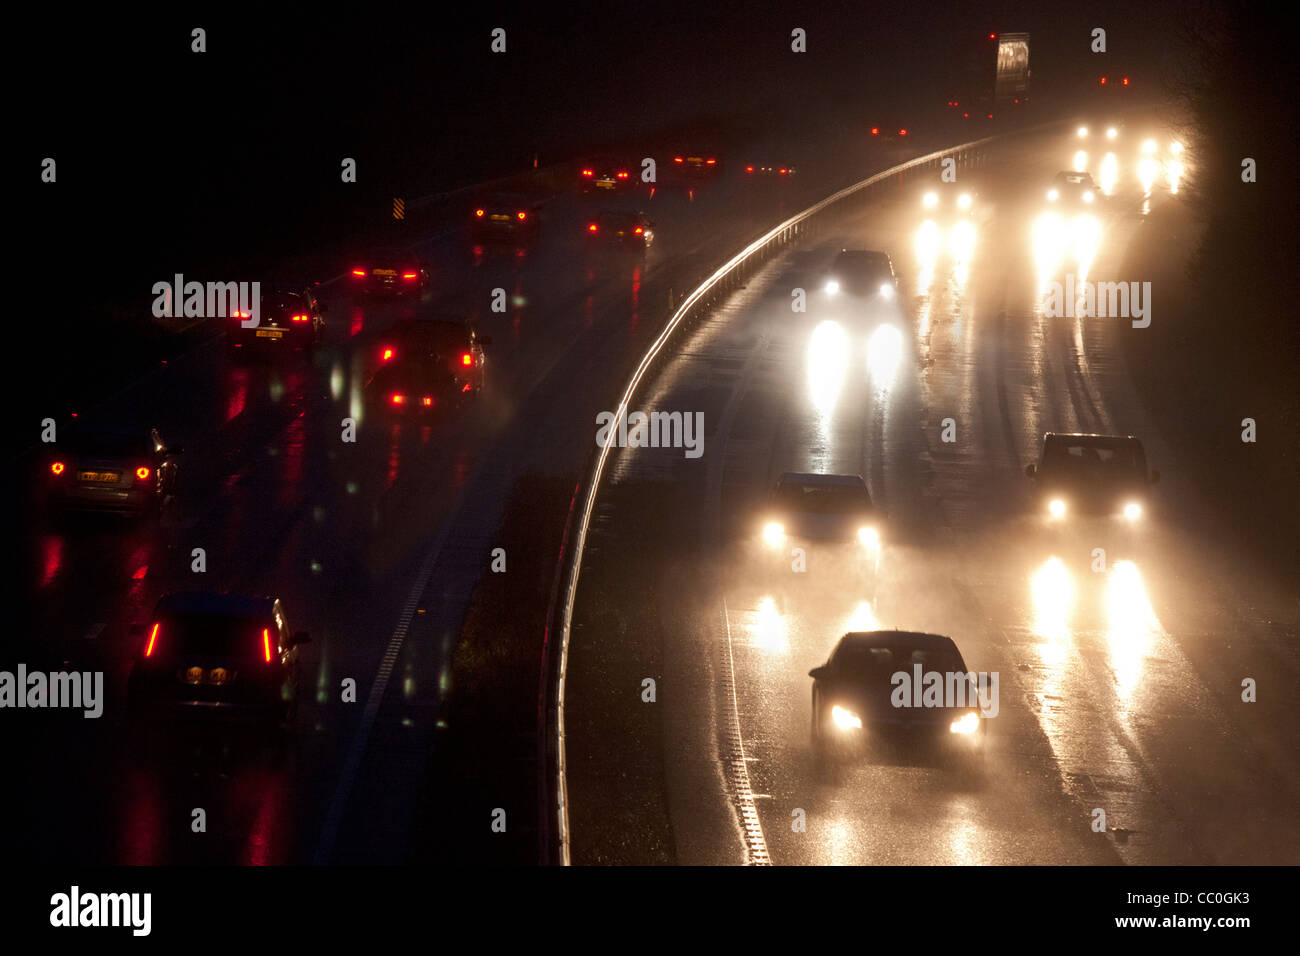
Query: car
(696, 164)
(1092, 475)
(626, 229)
(890, 133)
(503, 216)
(865, 273)
(832, 515)
(291, 318)
(1073, 189)
(948, 204)
(112, 467)
(389, 272)
(426, 365)
(759, 172)
(871, 695)
(213, 655)
(608, 174)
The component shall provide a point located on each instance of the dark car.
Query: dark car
(608, 174)
(212, 655)
(1071, 189)
(697, 164)
(504, 217)
(627, 229)
(389, 272)
(112, 467)
(291, 318)
(864, 273)
(1097, 475)
(870, 694)
(762, 172)
(427, 365)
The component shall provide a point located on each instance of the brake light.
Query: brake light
(784, 171)
(142, 473)
(592, 228)
(359, 273)
(266, 644)
(1126, 81)
(1103, 81)
(408, 275)
(521, 214)
(467, 359)
(875, 131)
(638, 230)
(386, 354)
(399, 399)
(298, 318)
(749, 169)
(711, 161)
(153, 637)
(242, 315)
(426, 401)
(57, 468)
(677, 159)
(588, 172)
(902, 132)
(478, 212)
(624, 175)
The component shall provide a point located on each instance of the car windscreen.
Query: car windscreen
(212, 635)
(861, 267)
(1100, 458)
(876, 665)
(822, 499)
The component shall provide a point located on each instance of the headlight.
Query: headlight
(869, 537)
(1132, 511)
(1083, 132)
(832, 286)
(845, 719)
(1052, 195)
(1056, 508)
(1175, 147)
(773, 534)
(967, 723)
(886, 290)
(930, 201)
(963, 201)
(1088, 195)
(1149, 146)
(1112, 133)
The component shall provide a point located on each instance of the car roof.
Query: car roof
(800, 478)
(216, 603)
(916, 639)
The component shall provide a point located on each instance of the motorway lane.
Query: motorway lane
(341, 533)
(1118, 689)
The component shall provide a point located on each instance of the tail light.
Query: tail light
(902, 132)
(588, 172)
(784, 171)
(521, 214)
(677, 159)
(1103, 81)
(242, 315)
(398, 399)
(749, 169)
(57, 468)
(624, 175)
(479, 213)
(359, 273)
(386, 355)
(408, 275)
(638, 230)
(153, 639)
(592, 227)
(1125, 81)
(142, 473)
(266, 644)
(875, 131)
(427, 401)
(466, 387)
(298, 318)
(710, 161)
(467, 359)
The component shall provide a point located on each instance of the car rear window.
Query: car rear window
(112, 446)
(212, 635)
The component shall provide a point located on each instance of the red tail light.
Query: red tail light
(1125, 81)
(588, 172)
(467, 359)
(242, 315)
(638, 230)
(624, 175)
(592, 228)
(386, 354)
(399, 399)
(57, 468)
(153, 638)
(266, 644)
(359, 273)
(427, 401)
(1103, 81)
(521, 214)
(784, 171)
(677, 159)
(479, 213)
(902, 132)
(711, 161)
(142, 472)
(749, 169)
(298, 318)
(408, 275)
(875, 131)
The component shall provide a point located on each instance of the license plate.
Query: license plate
(101, 476)
(499, 218)
(270, 334)
(605, 183)
(694, 159)
(385, 272)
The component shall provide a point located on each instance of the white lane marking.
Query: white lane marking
(739, 768)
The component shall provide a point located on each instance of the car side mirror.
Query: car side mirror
(300, 637)
(1031, 471)
(820, 673)
(1155, 477)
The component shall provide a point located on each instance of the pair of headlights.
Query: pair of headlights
(845, 719)
(774, 535)
(1057, 509)
(886, 290)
